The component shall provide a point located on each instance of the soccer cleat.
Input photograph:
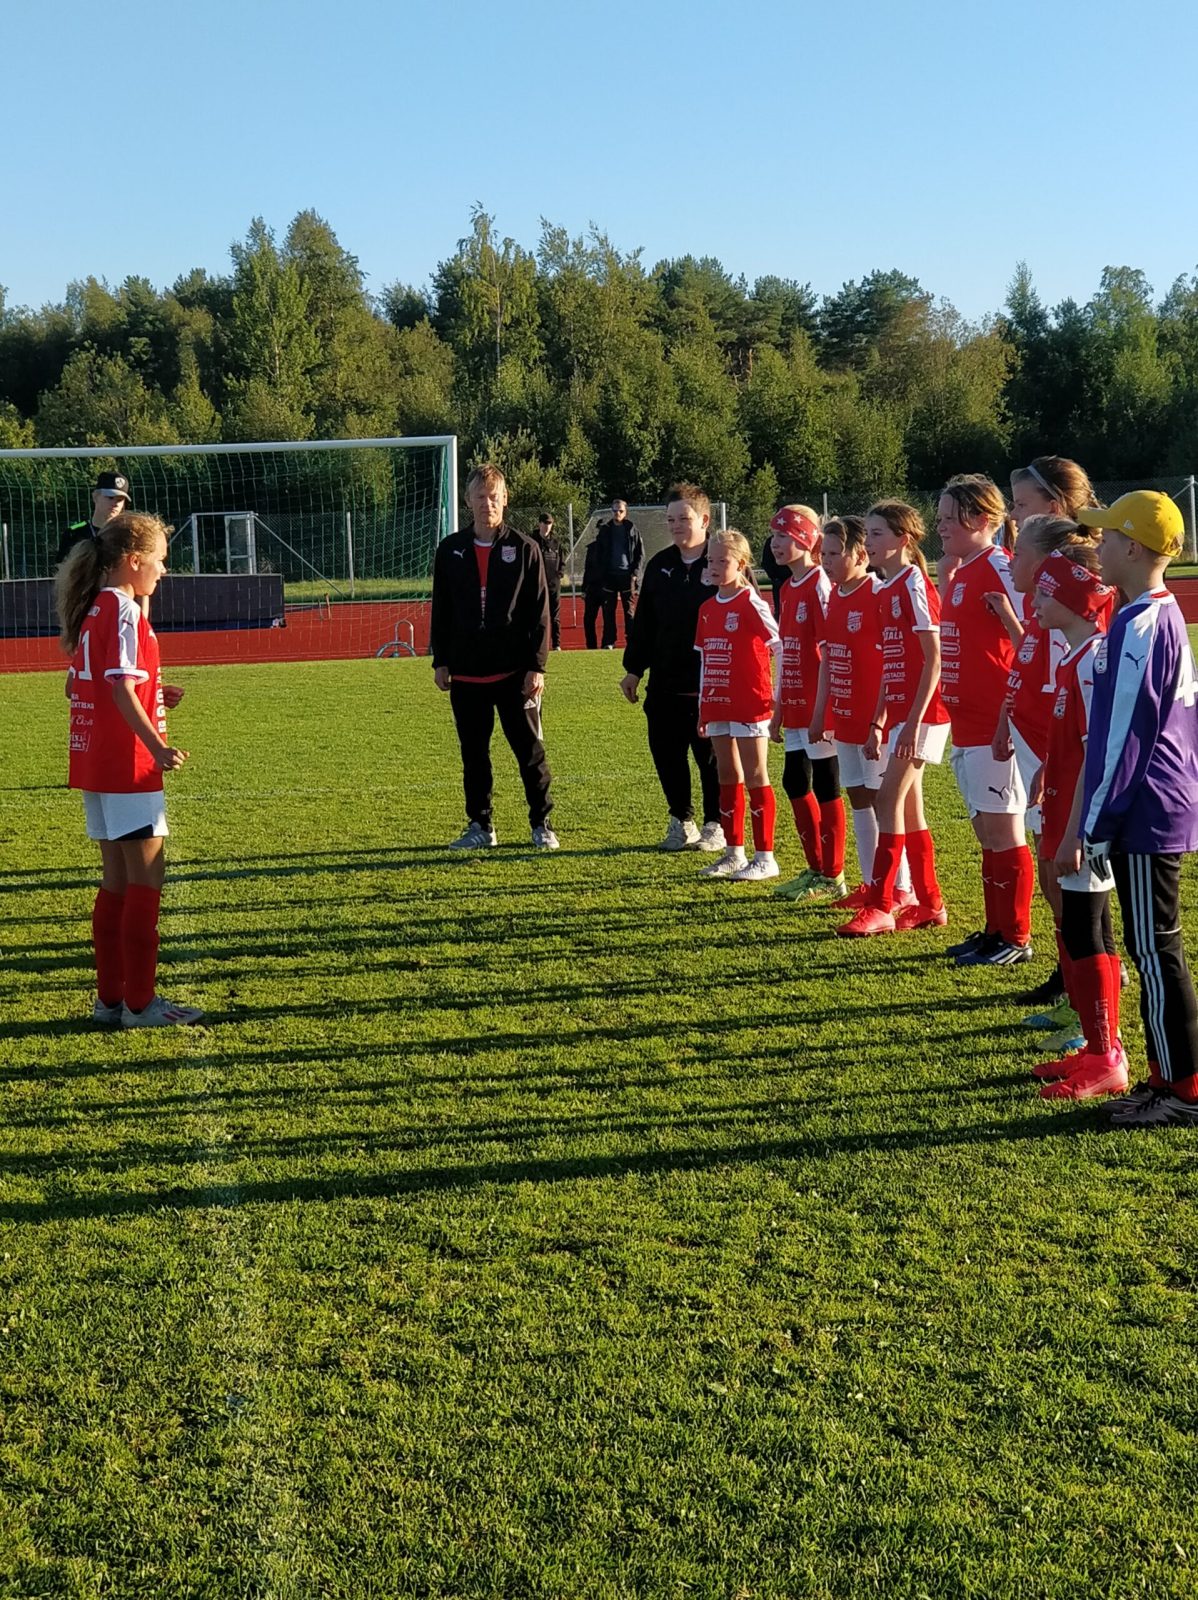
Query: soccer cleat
(1092, 1075)
(869, 920)
(106, 1016)
(1053, 1071)
(904, 897)
(1062, 1015)
(793, 887)
(1005, 954)
(1047, 994)
(822, 891)
(1149, 1107)
(475, 836)
(977, 955)
(161, 1013)
(732, 860)
(855, 899)
(544, 838)
(711, 837)
(761, 867)
(1068, 1039)
(970, 942)
(908, 918)
(680, 835)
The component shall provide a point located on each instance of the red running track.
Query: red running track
(344, 632)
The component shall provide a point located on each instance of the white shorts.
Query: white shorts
(1088, 881)
(738, 730)
(855, 771)
(987, 786)
(1029, 764)
(929, 746)
(796, 739)
(116, 816)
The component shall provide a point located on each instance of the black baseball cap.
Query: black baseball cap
(114, 484)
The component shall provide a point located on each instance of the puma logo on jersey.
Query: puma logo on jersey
(1135, 660)
(459, 554)
(1002, 793)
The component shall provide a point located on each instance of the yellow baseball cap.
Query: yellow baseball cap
(1146, 516)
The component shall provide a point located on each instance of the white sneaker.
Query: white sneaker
(711, 837)
(160, 1013)
(729, 864)
(680, 835)
(544, 838)
(475, 837)
(762, 866)
(107, 1016)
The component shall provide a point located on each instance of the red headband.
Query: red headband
(1077, 588)
(794, 525)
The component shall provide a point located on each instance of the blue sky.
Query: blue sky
(815, 141)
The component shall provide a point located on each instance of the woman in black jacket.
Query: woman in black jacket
(661, 642)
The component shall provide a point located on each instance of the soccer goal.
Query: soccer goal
(286, 550)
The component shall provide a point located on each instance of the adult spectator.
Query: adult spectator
(662, 643)
(554, 559)
(109, 498)
(489, 640)
(611, 574)
(774, 571)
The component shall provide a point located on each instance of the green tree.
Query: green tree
(272, 348)
(101, 400)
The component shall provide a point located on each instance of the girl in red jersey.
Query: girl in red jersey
(1070, 596)
(118, 753)
(736, 635)
(976, 658)
(850, 677)
(810, 775)
(909, 720)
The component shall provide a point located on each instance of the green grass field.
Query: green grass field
(549, 1226)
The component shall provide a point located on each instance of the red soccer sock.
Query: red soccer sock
(806, 810)
(886, 864)
(831, 837)
(921, 855)
(139, 931)
(107, 915)
(763, 809)
(1184, 1088)
(1013, 875)
(1155, 1076)
(1092, 997)
(732, 812)
(989, 893)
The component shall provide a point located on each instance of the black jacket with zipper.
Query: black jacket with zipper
(514, 634)
(661, 639)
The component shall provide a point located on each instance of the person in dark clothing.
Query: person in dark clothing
(489, 640)
(661, 642)
(109, 498)
(613, 564)
(554, 559)
(774, 571)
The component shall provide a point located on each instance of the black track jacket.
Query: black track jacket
(661, 640)
(514, 635)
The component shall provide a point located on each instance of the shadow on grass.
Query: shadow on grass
(464, 1177)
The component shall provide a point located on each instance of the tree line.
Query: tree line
(587, 374)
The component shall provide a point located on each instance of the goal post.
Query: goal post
(319, 540)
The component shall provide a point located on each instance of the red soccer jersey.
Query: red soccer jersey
(852, 641)
(801, 623)
(1032, 683)
(735, 638)
(975, 648)
(908, 605)
(1068, 727)
(116, 642)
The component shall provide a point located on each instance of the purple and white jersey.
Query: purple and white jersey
(1141, 792)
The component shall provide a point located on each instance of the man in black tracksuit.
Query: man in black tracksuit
(661, 642)
(489, 641)
(554, 559)
(613, 563)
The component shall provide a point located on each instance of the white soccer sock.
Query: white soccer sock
(903, 880)
(865, 831)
